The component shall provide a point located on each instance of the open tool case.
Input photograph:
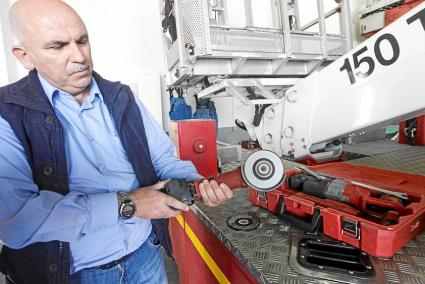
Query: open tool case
(377, 223)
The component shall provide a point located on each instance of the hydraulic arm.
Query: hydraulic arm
(378, 82)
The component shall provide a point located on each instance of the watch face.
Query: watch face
(127, 211)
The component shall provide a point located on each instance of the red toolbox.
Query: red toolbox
(379, 224)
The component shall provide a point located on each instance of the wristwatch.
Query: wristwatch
(126, 206)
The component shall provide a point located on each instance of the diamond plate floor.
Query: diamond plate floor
(373, 148)
(265, 251)
(409, 160)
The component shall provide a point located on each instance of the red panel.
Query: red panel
(420, 132)
(178, 239)
(195, 140)
(393, 14)
(192, 268)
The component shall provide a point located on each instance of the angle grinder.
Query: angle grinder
(262, 171)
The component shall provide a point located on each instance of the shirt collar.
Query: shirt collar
(51, 90)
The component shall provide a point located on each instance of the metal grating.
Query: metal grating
(195, 21)
(243, 40)
(306, 45)
(336, 46)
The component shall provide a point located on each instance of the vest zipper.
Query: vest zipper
(63, 270)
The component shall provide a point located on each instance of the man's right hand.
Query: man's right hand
(151, 203)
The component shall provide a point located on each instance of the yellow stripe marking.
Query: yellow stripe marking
(212, 265)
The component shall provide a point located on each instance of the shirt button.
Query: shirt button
(102, 166)
(49, 119)
(47, 171)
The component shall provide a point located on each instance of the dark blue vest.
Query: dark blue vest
(27, 109)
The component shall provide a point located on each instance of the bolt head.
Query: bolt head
(270, 113)
(288, 132)
(292, 96)
(268, 138)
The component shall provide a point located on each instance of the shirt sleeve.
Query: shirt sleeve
(163, 151)
(29, 214)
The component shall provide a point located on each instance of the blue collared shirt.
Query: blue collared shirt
(87, 217)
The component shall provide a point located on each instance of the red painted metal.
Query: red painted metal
(192, 268)
(232, 179)
(419, 139)
(393, 14)
(195, 140)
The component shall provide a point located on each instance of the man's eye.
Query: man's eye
(56, 46)
(82, 41)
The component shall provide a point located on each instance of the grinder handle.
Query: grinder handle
(232, 179)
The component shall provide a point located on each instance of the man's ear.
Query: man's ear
(23, 57)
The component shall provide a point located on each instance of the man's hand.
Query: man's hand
(214, 194)
(151, 203)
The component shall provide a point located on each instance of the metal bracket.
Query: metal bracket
(262, 196)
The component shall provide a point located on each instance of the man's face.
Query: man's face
(58, 48)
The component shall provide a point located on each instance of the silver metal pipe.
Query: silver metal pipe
(316, 21)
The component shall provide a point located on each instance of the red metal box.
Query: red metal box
(195, 140)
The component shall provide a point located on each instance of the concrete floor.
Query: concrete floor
(170, 266)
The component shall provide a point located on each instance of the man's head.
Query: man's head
(52, 39)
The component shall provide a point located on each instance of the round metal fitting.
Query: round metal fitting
(47, 171)
(268, 138)
(263, 171)
(288, 132)
(49, 119)
(292, 96)
(270, 113)
(53, 267)
(199, 146)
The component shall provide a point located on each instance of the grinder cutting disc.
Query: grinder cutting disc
(243, 222)
(263, 170)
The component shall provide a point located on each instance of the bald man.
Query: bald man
(81, 164)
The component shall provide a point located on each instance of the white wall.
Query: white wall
(126, 39)
(4, 78)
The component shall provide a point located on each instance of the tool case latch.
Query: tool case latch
(351, 228)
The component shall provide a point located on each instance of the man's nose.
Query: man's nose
(76, 53)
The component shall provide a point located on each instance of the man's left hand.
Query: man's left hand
(214, 194)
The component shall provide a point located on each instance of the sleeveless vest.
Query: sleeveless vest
(28, 111)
